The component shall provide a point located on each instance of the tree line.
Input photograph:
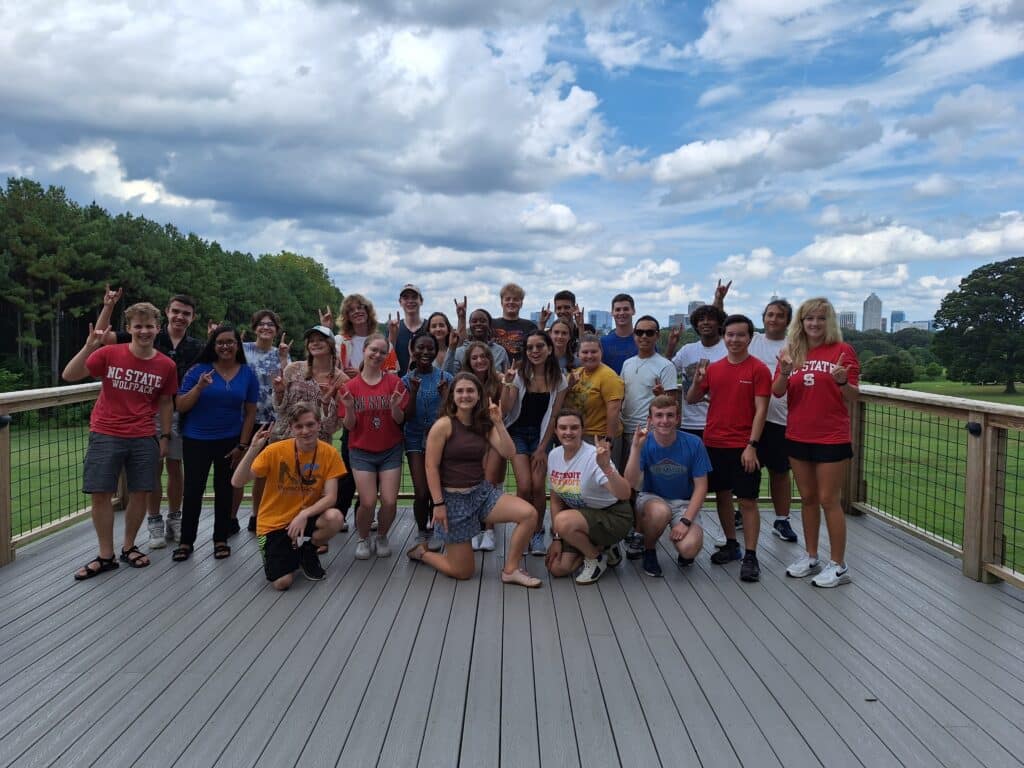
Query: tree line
(56, 256)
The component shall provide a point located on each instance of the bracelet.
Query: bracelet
(243, 446)
(437, 503)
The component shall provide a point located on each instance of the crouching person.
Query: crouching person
(590, 509)
(669, 467)
(296, 512)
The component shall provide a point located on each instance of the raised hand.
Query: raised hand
(396, 397)
(346, 398)
(658, 388)
(211, 326)
(577, 317)
(205, 380)
(283, 350)
(702, 371)
(94, 339)
(393, 329)
(641, 434)
(460, 309)
(603, 453)
(262, 437)
(326, 316)
(545, 315)
(785, 362)
(573, 378)
(674, 334)
(454, 339)
(840, 372)
(494, 411)
(414, 384)
(721, 291)
(111, 297)
(442, 389)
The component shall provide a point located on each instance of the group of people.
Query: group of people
(626, 441)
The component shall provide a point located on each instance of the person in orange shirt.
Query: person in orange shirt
(296, 512)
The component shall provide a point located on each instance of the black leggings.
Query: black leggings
(347, 482)
(198, 456)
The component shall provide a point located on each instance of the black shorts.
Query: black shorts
(819, 453)
(698, 433)
(727, 474)
(279, 556)
(772, 451)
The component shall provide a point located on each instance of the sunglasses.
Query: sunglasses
(645, 332)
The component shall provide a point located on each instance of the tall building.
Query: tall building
(872, 314)
(848, 320)
(601, 319)
(679, 319)
(896, 316)
(883, 324)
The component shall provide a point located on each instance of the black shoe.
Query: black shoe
(750, 570)
(684, 562)
(310, 563)
(252, 524)
(784, 530)
(233, 526)
(738, 517)
(634, 545)
(727, 553)
(613, 556)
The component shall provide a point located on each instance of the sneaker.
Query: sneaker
(381, 545)
(684, 562)
(233, 526)
(613, 556)
(487, 541)
(738, 517)
(832, 576)
(784, 530)
(727, 553)
(155, 524)
(750, 570)
(374, 524)
(251, 527)
(475, 541)
(537, 546)
(310, 563)
(591, 570)
(651, 565)
(436, 543)
(634, 545)
(805, 566)
(173, 526)
(362, 550)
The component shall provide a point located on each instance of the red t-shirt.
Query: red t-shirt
(733, 387)
(131, 391)
(817, 411)
(375, 430)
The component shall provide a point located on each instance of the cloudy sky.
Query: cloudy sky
(799, 147)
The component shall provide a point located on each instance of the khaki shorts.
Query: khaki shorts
(606, 526)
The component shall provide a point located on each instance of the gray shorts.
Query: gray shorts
(678, 506)
(174, 444)
(106, 456)
(467, 511)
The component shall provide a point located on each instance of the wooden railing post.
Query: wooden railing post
(979, 493)
(853, 486)
(6, 505)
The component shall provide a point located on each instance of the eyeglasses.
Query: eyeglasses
(267, 324)
(225, 343)
(645, 332)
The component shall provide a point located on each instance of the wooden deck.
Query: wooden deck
(387, 663)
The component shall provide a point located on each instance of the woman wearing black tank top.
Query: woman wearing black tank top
(462, 498)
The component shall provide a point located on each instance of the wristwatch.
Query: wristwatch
(753, 443)
(686, 522)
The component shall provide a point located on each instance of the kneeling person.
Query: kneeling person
(590, 509)
(296, 512)
(670, 469)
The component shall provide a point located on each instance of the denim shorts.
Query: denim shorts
(368, 461)
(526, 439)
(467, 511)
(107, 455)
(415, 441)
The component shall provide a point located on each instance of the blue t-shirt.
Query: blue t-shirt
(428, 401)
(220, 410)
(615, 350)
(669, 472)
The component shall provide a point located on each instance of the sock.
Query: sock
(779, 517)
(752, 554)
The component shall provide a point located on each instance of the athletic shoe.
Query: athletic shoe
(381, 545)
(363, 550)
(738, 517)
(373, 525)
(233, 526)
(750, 570)
(173, 526)
(436, 543)
(832, 576)
(727, 553)
(475, 541)
(684, 562)
(634, 545)
(613, 556)
(805, 566)
(651, 565)
(591, 570)
(537, 546)
(310, 563)
(784, 530)
(487, 541)
(155, 524)
(252, 524)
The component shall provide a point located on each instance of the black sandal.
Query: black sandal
(134, 562)
(221, 551)
(182, 553)
(105, 564)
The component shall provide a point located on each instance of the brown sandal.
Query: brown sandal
(417, 552)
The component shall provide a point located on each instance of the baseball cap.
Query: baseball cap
(410, 287)
(323, 330)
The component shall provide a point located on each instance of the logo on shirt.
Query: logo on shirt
(668, 469)
(133, 380)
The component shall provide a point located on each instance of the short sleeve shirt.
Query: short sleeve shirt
(695, 415)
(668, 471)
(220, 410)
(131, 390)
(286, 492)
(511, 335)
(615, 350)
(591, 395)
(579, 482)
(428, 400)
(817, 411)
(733, 387)
(767, 351)
(375, 430)
(639, 375)
(266, 364)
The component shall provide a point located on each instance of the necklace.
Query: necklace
(305, 478)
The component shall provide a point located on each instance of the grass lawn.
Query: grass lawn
(992, 393)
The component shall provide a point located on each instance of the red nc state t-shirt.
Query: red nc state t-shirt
(131, 391)
(733, 387)
(375, 430)
(817, 411)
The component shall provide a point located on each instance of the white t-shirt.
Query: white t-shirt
(767, 351)
(695, 416)
(579, 482)
(640, 374)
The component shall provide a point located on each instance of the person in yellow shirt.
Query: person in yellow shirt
(296, 513)
(596, 391)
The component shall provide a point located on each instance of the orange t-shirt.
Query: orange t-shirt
(286, 492)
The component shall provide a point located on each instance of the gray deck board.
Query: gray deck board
(388, 663)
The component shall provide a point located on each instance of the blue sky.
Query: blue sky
(798, 147)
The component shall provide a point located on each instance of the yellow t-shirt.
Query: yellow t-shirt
(591, 395)
(286, 493)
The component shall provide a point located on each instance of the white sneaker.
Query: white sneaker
(475, 541)
(362, 550)
(805, 566)
(155, 525)
(173, 527)
(382, 546)
(591, 570)
(487, 541)
(832, 576)
(436, 543)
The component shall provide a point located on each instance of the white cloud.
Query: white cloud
(617, 50)
(552, 218)
(718, 94)
(936, 185)
(939, 13)
(961, 113)
(758, 264)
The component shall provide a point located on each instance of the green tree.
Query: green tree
(888, 370)
(981, 336)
